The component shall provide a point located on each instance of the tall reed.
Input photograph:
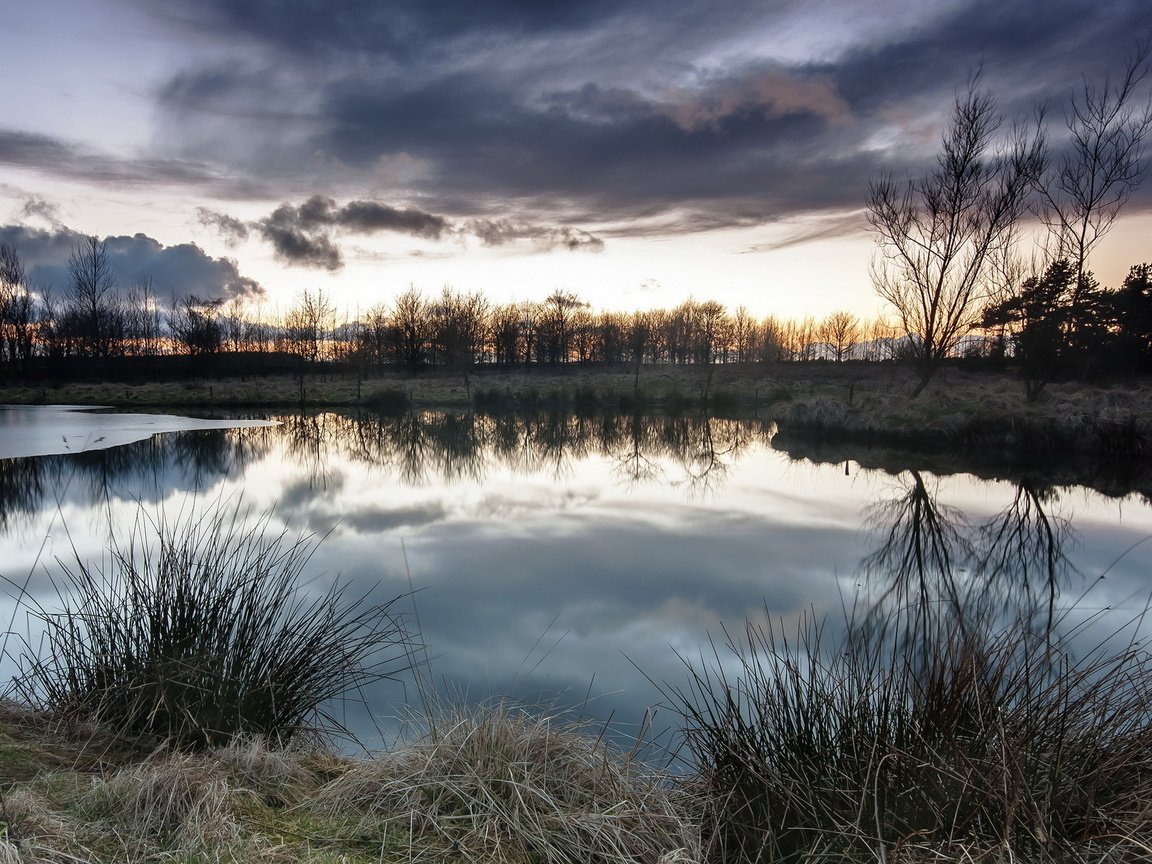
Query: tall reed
(199, 629)
(987, 741)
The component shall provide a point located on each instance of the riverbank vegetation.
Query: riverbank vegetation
(961, 409)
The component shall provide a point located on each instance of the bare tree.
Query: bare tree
(504, 331)
(16, 307)
(411, 320)
(92, 307)
(309, 323)
(937, 234)
(143, 319)
(559, 311)
(1102, 163)
(840, 331)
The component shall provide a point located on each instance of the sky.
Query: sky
(634, 152)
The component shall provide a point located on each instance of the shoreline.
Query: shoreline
(848, 404)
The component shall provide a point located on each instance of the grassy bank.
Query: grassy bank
(848, 402)
(982, 747)
(494, 785)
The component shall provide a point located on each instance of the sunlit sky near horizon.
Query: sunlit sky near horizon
(634, 152)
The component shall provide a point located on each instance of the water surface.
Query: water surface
(575, 560)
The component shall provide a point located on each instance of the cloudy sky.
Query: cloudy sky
(632, 151)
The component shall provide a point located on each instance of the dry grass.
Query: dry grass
(994, 740)
(201, 628)
(493, 786)
(503, 785)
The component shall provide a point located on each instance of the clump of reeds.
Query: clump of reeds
(198, 630)
(503, 784)
(1001, 744)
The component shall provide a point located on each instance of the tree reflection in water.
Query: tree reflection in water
(934, 570)
(930, 560)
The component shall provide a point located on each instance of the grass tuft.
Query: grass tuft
(501, 784)
(200, 630)
(1004, 744)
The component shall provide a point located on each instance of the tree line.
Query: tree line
(95, 319)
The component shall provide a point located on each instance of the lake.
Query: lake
(578, 561)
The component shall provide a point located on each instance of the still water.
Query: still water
(578, 561)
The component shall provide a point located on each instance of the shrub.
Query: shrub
(199, 630)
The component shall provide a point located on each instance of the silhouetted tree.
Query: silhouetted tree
(194, 323)
(1133, 307)
(1100, 167)
(410, 317)
(938, 234)
(17, 309)
(92, 313)
(144, 322)
(559, 310)
(505, 335)
(840, 331)
(308, 324)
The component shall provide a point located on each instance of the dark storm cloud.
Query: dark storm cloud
(368, 216)
(297, 243)
(401, 28)
(173, 270)
(613, 111)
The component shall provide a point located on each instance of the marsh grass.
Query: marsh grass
(200, 629)
(503, 783)
(975, 743)
(494, 784)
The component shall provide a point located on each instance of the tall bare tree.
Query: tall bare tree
(93, 307)
(16, 308)
(1082, 192)
(938, 234)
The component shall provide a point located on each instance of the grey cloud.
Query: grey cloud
(230, 228)
(306, 234)
(500, 232)
(174, 270)
(368, 216)
(296, 244)
(34, 205)
(402, 29)
(302, 235)
(62, 158)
